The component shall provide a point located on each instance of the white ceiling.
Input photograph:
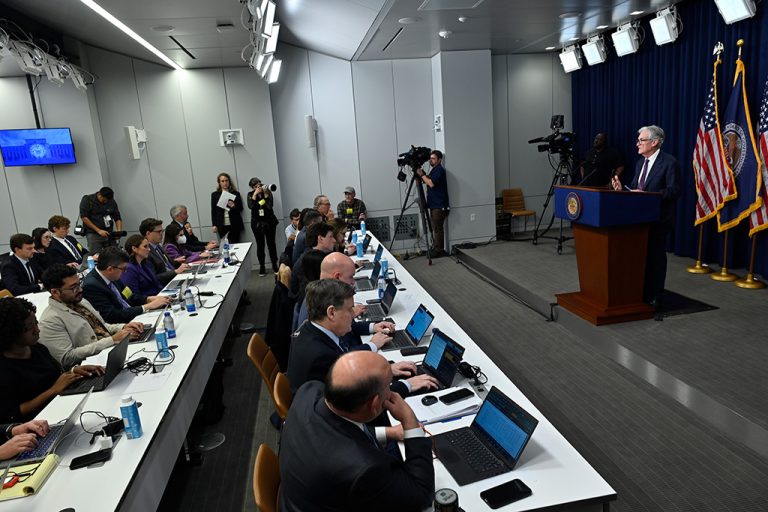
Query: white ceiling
(348, 29)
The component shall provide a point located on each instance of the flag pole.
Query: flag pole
(724, 275)
(750, 282)
(699, 268)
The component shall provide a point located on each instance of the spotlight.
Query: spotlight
(274, 71)
(56, 70)
(735, 10)
(77, 79)
(664, 26)
(268, 20)
(594, 50)
(271, 43)
(625, 39)
(570, 58)
(29, 59)
(264, 65)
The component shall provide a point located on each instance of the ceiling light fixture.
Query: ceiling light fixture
(126, 30)
(570, 58)
(445, 34)
(602, 27)
(664, 26)
(625, 39)
(636, 13)
(29, 59)
(735, 10)
(271, 45)
(594, 50)
(409, 20)
(268, 20)
(274, 71)
(549, 48)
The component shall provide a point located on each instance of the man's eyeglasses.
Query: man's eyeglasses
(157, 230)
(72, 288)
(641, 141)
(121, 267)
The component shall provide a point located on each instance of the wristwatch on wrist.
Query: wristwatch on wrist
(9, 429)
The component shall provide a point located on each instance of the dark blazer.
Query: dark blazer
(157, 258)
(16, 279)
(664, 177)
(235, 216)
(329, 464)
(103, 299)
(312, 355)
(58, 253)
(141, 279)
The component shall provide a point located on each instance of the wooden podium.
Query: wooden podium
(610, 230)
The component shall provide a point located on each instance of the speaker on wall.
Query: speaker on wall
(311, 127)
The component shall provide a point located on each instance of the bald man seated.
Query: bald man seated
(320, 341)
(329, 458)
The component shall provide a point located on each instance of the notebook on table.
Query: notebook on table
(491, 445)
(115, 362)
(415, 330)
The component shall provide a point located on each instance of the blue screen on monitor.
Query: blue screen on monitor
(419, 323)
(46, 146)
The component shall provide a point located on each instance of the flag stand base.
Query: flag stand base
(750, 283)
(724, 276)
(698, 268)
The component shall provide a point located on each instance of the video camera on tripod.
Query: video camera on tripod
(558, 142)
(413, 158)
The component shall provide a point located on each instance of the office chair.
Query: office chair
(514, 204)
(5, 293)
(282, 395)
(266, 480)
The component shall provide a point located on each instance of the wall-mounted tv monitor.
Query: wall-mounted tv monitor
(45, 146)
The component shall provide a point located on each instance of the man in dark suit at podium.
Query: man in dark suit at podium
(330, 459)
(656, 172)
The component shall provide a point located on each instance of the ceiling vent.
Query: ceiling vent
(445, 5)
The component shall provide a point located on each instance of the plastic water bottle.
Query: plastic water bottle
(129, 410)
(362, 227)
(382, 286)
(168, 325)
(189, 301)
(162, 343)
(91, 263)
(354, 237)
(384, 268)
(225, 250)
(359, 245)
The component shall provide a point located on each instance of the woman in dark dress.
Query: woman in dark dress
(227, 223)
(29, 376)
(263, 222)
(42, 239)
(140, 275)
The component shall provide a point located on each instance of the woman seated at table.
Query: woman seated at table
(29, 376)
(140, 275)
(42, 238)
(340, 234)
(18, 438)
(173, 243)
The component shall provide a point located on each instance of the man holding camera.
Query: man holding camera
(437, 201)
(101, 218)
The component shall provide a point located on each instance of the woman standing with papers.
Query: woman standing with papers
(226, 211)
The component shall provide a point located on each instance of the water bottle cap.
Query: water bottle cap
(167, 313)
(127, 399)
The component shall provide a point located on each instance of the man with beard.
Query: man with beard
(70, 327)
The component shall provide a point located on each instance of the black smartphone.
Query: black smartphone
(505, 493)
(455, 396)
(91, 458)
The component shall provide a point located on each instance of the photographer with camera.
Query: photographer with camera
(263, 221)
(437, 200)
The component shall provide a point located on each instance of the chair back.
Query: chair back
(282, 395)
(263, 359)
(5, 293)
(513, 199)
(266, 479)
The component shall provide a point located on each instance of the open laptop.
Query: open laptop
(115, 362)
(491, 445)
(441, 360)
(414, 331)
(364, 284)
(149, 329)
(56, 435)
(378, 311)
(368, 265)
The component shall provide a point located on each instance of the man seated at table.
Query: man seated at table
(319, 342)
(330, 459)
(109, 295)
(165, 269)
(180, 216)
(20, 273)
(64, 247)
(18, 438)
(70, 327)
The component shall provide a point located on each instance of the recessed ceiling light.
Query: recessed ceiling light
(408, 21)
(550, 48)
(636, 13)
(601, 27)
(572, 14)
(574, 38)
(463, 19)
(164, 28)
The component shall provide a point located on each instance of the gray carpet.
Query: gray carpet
(652, 450)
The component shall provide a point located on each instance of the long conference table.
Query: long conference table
(559, 477)
(136, 476)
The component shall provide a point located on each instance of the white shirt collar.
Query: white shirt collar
(330, 334)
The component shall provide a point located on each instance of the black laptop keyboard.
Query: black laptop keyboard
(84, 385)
(364, 285)
(43, 445)
(374, 311)
(146, 334)
(476, 454)
(401, 340)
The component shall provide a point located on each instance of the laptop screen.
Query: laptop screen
(389, 296)
(506, 425)
(375, 272)
(379, 252)
(420, 322)
(443, 357)
(366, 242)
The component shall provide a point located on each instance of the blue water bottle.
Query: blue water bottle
(162, 343)
(384, 268)
(129, 410)
(354, 237)
(382, 286)
(168, 325)
(359, 245)
(225, 250)
(189, 301)
(362, 227)
(91, 263)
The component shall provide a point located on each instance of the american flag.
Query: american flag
(758, 220)
(714, 179)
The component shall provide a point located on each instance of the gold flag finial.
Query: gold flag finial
(740, 43)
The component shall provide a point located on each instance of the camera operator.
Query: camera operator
(263, 222)
(437, 200)
(600, 164)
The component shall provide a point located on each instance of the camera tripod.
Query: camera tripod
(421, 200)
(560, 177)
